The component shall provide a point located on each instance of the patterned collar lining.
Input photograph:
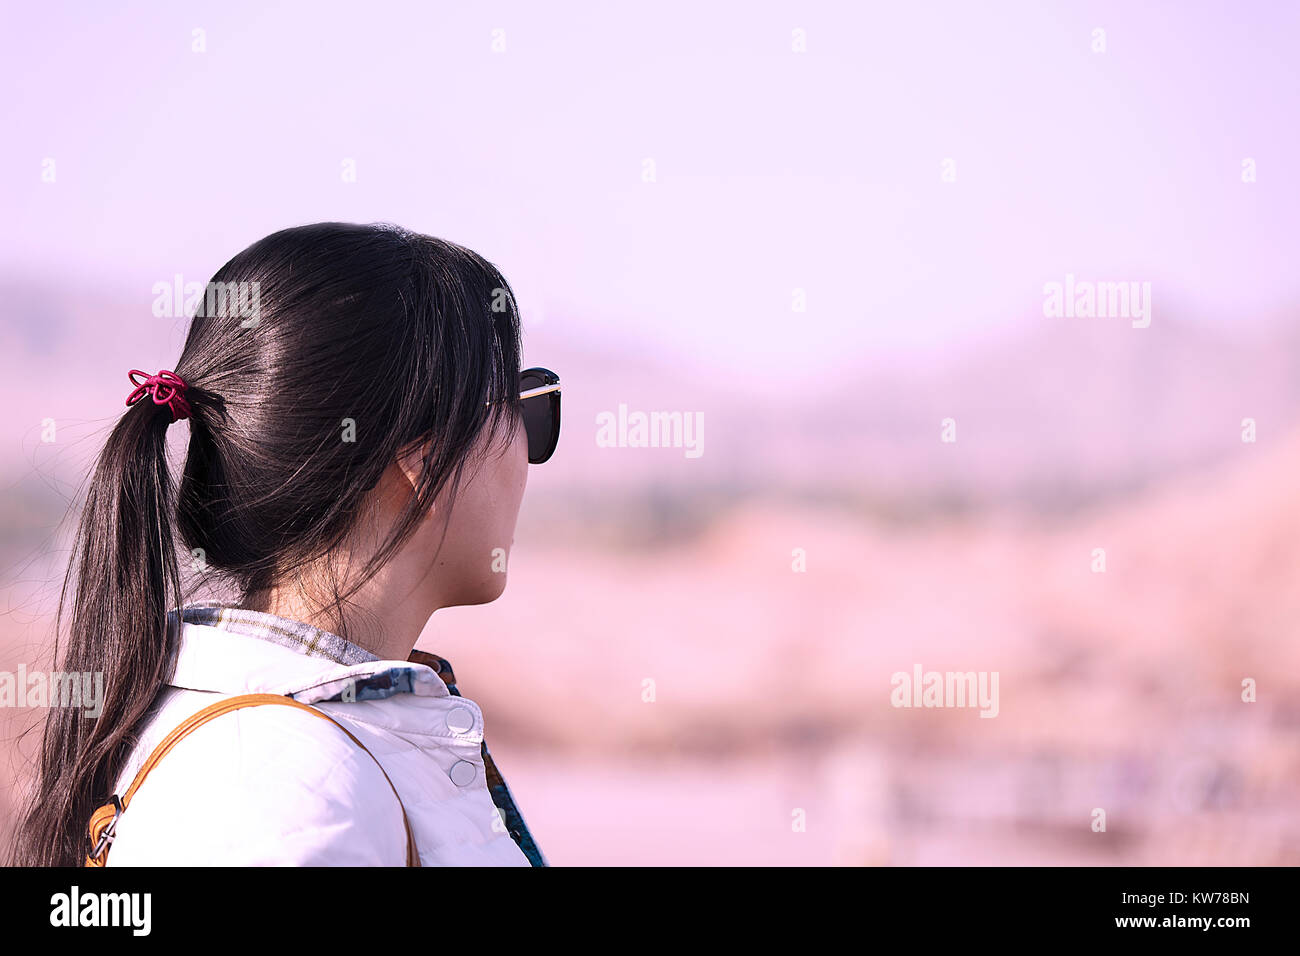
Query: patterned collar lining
(295, 635)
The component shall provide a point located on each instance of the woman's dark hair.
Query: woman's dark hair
(366, 340)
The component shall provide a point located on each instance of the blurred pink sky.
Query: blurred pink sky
(775, 170)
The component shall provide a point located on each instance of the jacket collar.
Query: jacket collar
(235, 651)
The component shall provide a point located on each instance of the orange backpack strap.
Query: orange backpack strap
(103, 821)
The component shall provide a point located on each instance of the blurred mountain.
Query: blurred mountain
(1050, 413)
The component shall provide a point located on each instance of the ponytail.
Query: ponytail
(124, 577)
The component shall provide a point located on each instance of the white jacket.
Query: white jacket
(272, 785)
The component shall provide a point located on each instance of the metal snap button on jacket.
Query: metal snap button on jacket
(460, 721)
(462, 773)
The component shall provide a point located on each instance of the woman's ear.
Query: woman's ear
(411, 461)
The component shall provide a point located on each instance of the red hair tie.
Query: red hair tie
(166, 388)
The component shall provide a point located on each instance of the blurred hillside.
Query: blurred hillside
(1050, 413)
(1119, 690)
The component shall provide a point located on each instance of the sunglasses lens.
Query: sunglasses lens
(541, 418)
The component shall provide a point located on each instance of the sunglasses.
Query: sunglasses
(539, 392)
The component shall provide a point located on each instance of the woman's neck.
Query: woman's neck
(387, 613)
(390, 633)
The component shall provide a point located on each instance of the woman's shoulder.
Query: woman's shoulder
(262, 785)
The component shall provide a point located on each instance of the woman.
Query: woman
(357, 454)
